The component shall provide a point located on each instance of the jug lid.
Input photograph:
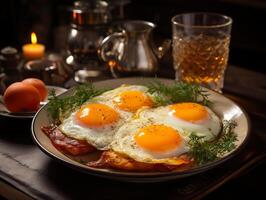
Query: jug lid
(91, 12)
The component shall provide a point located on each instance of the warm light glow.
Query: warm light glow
(33, 38)
(34, 50)
(112, 63)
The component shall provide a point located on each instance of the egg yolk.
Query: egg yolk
(191, 112)
(97, 115)
(132, 100)
(158, 138)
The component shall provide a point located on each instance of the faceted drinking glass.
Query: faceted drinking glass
(201, 47)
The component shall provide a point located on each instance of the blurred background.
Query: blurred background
(50, 20)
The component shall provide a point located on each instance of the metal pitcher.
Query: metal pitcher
(131, 51)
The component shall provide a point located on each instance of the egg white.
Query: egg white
(100, 137)
(125, 144)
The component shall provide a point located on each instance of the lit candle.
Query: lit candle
(34, 50)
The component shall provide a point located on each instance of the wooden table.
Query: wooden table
(27, 173)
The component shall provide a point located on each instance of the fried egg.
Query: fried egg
(98, 119)
(161, 135)
(186, 117)
(127, 98)
(147, 142)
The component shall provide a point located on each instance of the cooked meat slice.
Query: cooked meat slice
(66, 144)
(111, 159)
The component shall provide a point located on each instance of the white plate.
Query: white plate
(28, 115)
(224, 108)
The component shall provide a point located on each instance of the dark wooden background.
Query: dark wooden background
(49, 17)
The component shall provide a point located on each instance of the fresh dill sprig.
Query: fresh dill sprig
(206, 151)
(177, 92)
(62, 107)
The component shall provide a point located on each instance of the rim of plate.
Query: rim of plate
(110, 172)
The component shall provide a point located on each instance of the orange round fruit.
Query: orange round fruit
(21, 97)
(39, 85)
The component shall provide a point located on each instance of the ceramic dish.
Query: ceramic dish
(224, 108)
(28, 115)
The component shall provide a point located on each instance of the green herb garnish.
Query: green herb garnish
(177, 92)
(205, 151)
(61, 107)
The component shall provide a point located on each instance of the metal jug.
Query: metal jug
(131, 51)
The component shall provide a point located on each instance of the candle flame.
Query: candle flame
(33, 38)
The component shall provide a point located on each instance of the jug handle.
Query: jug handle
(107, 55)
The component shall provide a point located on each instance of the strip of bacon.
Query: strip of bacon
(66, 144)
(111, 159)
